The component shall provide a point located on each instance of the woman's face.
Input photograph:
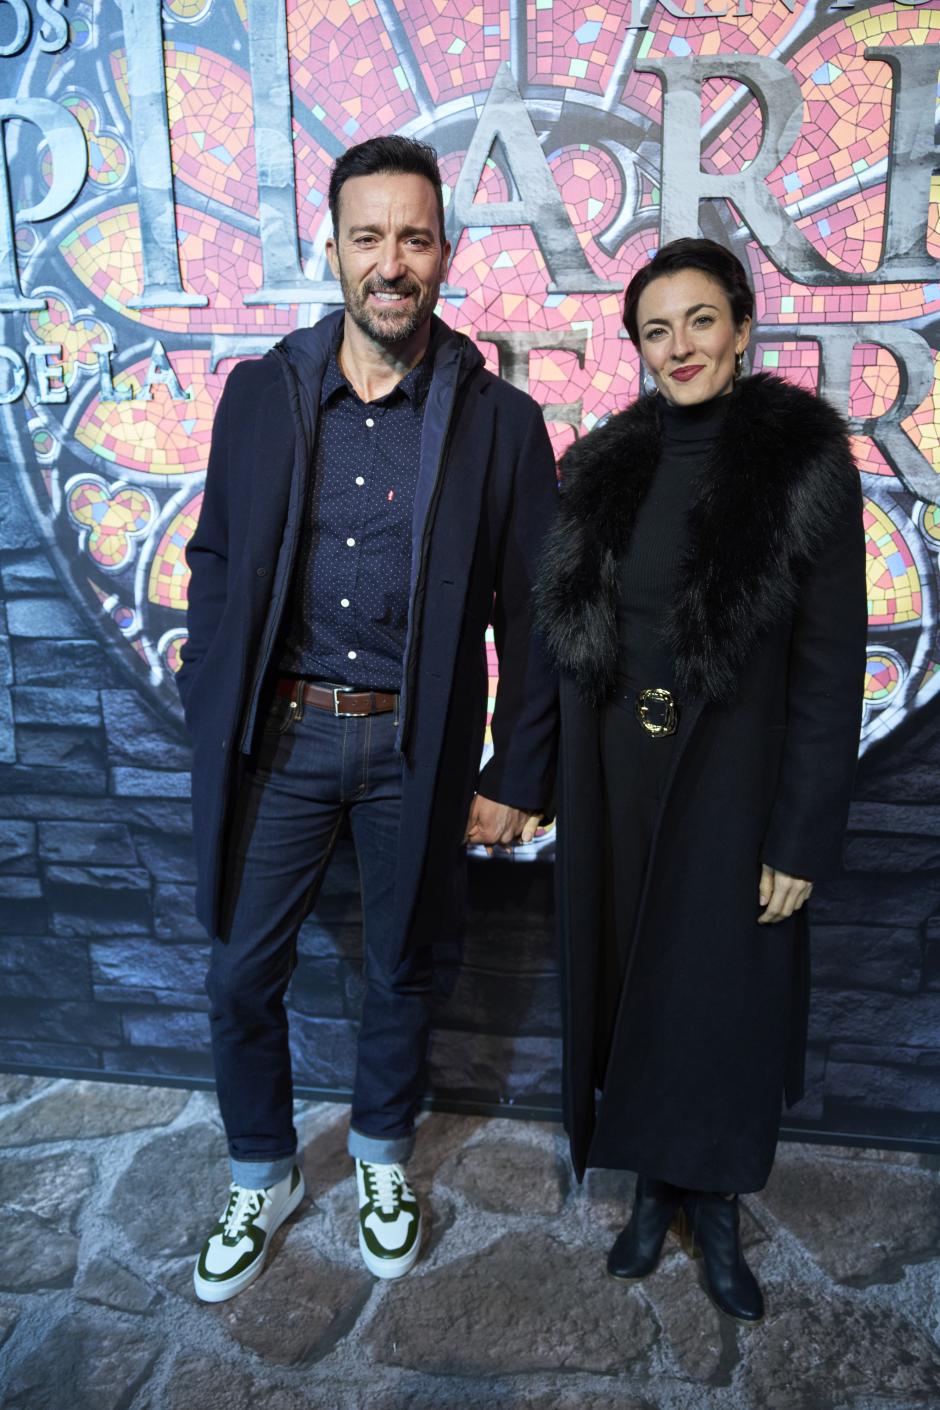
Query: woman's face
(688, 337)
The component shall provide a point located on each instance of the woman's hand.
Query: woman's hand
(780, 895)
(497, 825)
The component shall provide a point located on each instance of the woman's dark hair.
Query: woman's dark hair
(708, 256)
(394, 156)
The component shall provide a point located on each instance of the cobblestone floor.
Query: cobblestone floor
(107, 1191)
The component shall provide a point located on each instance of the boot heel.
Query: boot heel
(686, 1235)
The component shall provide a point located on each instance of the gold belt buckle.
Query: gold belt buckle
(658, 696)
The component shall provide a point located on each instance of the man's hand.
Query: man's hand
(497, 825)
(780, 895)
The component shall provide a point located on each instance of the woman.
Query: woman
(704, 599)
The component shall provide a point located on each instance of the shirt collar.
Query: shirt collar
(414, 385)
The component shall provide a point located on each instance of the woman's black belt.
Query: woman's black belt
(654, 708)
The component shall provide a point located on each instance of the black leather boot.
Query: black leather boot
(637, 1248)
(710, 1230)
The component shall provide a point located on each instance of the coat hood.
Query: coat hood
(777, 479)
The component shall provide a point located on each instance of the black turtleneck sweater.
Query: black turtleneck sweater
(649, 568)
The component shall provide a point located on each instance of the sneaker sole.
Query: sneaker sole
(390, 1267)
(214, 1291)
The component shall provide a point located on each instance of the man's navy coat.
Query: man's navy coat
(485, 498)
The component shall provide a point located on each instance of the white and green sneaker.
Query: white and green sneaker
(233, 1254)
(389, 1219)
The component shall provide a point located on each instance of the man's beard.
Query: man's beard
(395, 327)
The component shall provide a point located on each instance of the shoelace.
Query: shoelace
(243, 1207)
(385, 1184)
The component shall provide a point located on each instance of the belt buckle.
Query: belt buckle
(339, 690)
(656, 695)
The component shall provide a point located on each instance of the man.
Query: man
(374, 498)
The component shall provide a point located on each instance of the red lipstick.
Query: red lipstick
(685, 374)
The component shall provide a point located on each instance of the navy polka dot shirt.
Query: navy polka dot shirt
(348, 614)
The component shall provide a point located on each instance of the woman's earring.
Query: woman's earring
(649, 386)
(738, 365)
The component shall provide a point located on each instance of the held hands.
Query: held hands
(780, 895)
(497, 825)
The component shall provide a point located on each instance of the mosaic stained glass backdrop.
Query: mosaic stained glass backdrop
(161, 161)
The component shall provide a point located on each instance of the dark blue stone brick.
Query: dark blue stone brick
(332, 938)
(106, 843)
(354, 988)
(28, 572)
(36, 1020)
(874, 900)
(40, 705)
(170, 815)
(166, 1028)
(167, 857)
(889, 1020)
(6, 661)
(324, 1051)
(56, 1058)
(99, 900)
(174, 912)
(56, 747)
(18, 847)
(892, 855)
(149, 998)
(147, 964)
(61, 663)
(493, 1067)
(7, 739)
(18, 779)
(34, 967)
(486, 1002)
(891, 1081)
(40, 617)
(193, 1066)
(885, 816)
(17, 530)
(146, 783)
(23, 909)
(932, 954)
(137, 736)
(874, 957)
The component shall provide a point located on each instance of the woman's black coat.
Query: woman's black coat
(768, 633)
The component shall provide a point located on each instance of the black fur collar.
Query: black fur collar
(778, 475)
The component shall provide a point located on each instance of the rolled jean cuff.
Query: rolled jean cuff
(261, 1175)
(380, 1150)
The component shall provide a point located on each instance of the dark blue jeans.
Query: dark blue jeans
(308, 774)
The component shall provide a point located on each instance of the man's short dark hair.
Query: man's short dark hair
(705, 255)
(380, 156)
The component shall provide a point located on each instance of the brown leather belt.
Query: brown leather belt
(338, 699)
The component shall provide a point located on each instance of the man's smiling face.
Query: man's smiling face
(388, 255)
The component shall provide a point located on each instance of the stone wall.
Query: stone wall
(101, 961)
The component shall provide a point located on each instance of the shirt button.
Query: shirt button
(360, 480)
(350, 543)
(344, 602)
(369, 421)
(351, 655)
